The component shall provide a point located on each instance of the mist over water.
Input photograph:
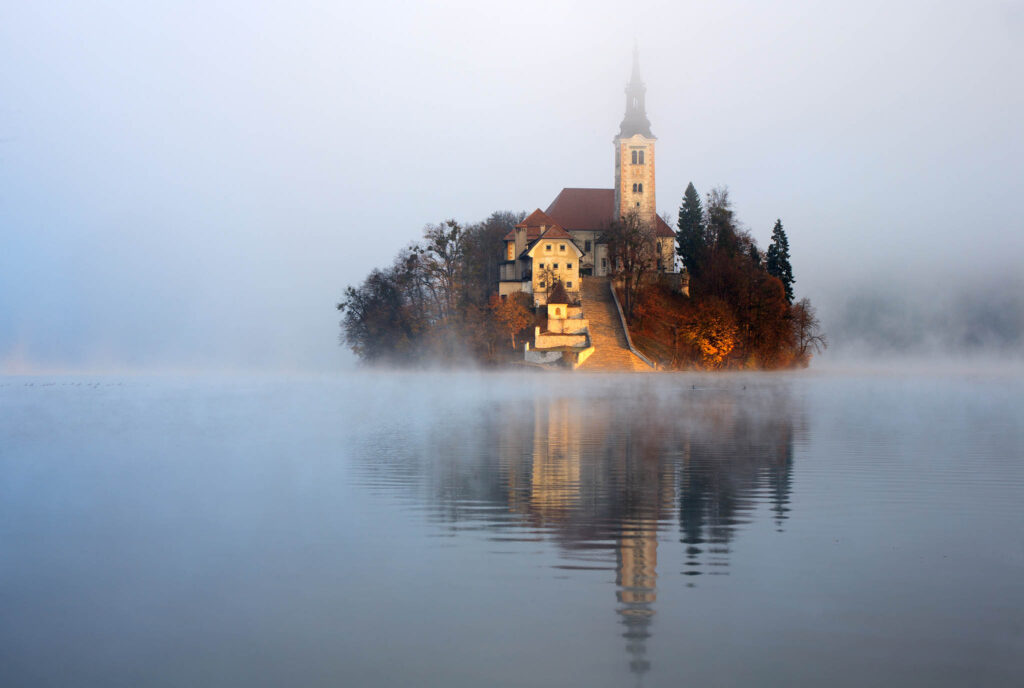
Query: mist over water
(498, 529)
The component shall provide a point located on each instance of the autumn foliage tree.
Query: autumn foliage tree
(738, 313)
(513, 313)
(433, 302)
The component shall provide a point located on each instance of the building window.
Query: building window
(561, 247)
(634, 157)
(638, 204)
(586, 246)
(634, 188)
(641, 157)
(604, 262)
(540, 284)
(541, 266)
(640, 188)
(554, 265)
(568, 266)
(568, 285)
(547, 248)
(511, 251)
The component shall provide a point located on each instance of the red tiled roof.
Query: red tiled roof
(532, 233)
(584, 209)
(537, 218)
(556, 232)
(662, 229)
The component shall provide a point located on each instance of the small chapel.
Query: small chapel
(564, 242)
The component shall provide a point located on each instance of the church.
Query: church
(564, 242)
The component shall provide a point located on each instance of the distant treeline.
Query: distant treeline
(437, 300)
(740, 311)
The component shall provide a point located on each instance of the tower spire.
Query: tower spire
(635, 121)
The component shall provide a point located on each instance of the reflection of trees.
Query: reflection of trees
(735, 454)
(603, 475)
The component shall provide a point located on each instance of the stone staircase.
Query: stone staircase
(611, 352)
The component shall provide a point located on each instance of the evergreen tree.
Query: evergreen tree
(690, 235)
(777, 259)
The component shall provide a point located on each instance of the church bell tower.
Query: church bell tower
(634, 153)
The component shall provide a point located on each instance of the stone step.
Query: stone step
(611, 351)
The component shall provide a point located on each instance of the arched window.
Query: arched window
(641, 157)
(634, 157)
(634, 188)
(640, 188)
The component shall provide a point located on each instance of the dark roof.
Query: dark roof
(584, 209)
(661, 228)
(593, 210)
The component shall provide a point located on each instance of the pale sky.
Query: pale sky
(192, 185)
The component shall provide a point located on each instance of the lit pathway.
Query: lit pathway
(611, 353)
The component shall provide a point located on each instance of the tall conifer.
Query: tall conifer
(777, 259)
(690, 235)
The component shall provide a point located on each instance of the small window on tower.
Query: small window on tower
(641, 157)
(634, 157)
(634, 188)
(640, 188)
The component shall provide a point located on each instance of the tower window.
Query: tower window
(634, 188)
(641, 156)
(634, 157)
(640, 188)
(586, 246)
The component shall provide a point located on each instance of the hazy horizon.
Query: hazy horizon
(193, 186)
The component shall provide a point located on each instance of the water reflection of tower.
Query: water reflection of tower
(636, 576)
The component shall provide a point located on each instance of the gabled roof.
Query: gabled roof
(533, 224)
(584, 209)
(537, 218)
(555, 233)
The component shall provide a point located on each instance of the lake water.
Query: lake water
(439, 529)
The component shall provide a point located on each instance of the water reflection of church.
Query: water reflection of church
(600, 475)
